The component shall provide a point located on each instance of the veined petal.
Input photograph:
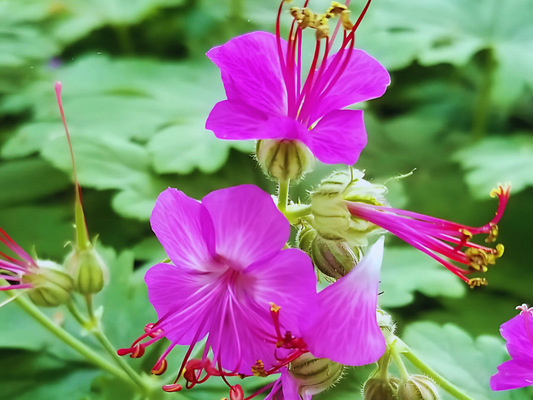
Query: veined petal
(363, 78)
(346, 330)
(251, 72)
(178, 296)
(512, 374)
(339, 137)
(247, 223)
(518, 332)
(184, 228)
(287, 280)
(236, 120)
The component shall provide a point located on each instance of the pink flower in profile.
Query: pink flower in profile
(345, 332)
(440, 239)
(227, 267)
(268, 96)
(517, 372)
(17, 269)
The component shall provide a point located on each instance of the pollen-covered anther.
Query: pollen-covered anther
(479, 260)
(148, 328)
(322, 27)
(176, 387)
(258, 369)
(345, 20)
(308, 19)
(274, 308)
(493, 234)
(337, 8)
(477, 282)
(160, 368)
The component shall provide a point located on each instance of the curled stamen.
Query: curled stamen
(176, 387)
(160, 368)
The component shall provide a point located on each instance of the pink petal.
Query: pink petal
(346, 330)
(287, 280)
(247, 223)
(236, 120)
(182, 297)
(184, 228)
(364, 78)
(338, 138)
(286, 388)
(518, 332)
(250, 69)
(512, 375)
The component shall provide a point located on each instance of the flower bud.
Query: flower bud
(314, 375)
(88, 270)
(304, 238)
(418, 387)
(381, 389)
(332, 219)
(284, 160)
(334, 258)
(52, 285)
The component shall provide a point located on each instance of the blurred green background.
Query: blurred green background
(137, 89)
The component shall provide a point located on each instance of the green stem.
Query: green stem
(92, 325)
(399, 363)
(440, 380)
(297, 211)
(283, 195)
(68, 339)
(479, 126)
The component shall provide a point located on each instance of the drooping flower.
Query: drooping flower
(269, 98)
(47, 283)
(517, 372)
(346, 332)
(357, 208)
(227, 267)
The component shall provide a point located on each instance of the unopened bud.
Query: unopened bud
(381, 389)
(334, 258)
(418, 387)
(284, 160)
(88, 270)
(305, 237)
(332, 219)
(314, 375)
(52, 285)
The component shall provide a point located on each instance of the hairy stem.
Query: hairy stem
(283, 195)
(439, 379)
(68, 339)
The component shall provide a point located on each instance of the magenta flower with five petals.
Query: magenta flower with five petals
(517, 372)
(268, 96)
(228, 265)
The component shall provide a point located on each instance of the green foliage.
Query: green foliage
(137, 90)
(498, 160)
(406, 270)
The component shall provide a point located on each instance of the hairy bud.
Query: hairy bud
(334, 258)
(304, 238)
(418, 387)
(88, 270)
(52, 286)
(332, 220)
(314, 375)
(381, 389)
(285, 159)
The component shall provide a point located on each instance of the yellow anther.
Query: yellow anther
(345, 19)
(322, 28)
(496, 192)
(274, 307)
(493, 234)
(499, 250)
(477, 282)
(478, 259)
(308, 19)
(467, 233)
(296, 13)
(336, 8)
(259, 369)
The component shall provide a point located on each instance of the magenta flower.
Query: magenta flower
(517, 372)
(440, 239)
(270, 98)
(16, 270)
(346, 331)
(228, 267)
